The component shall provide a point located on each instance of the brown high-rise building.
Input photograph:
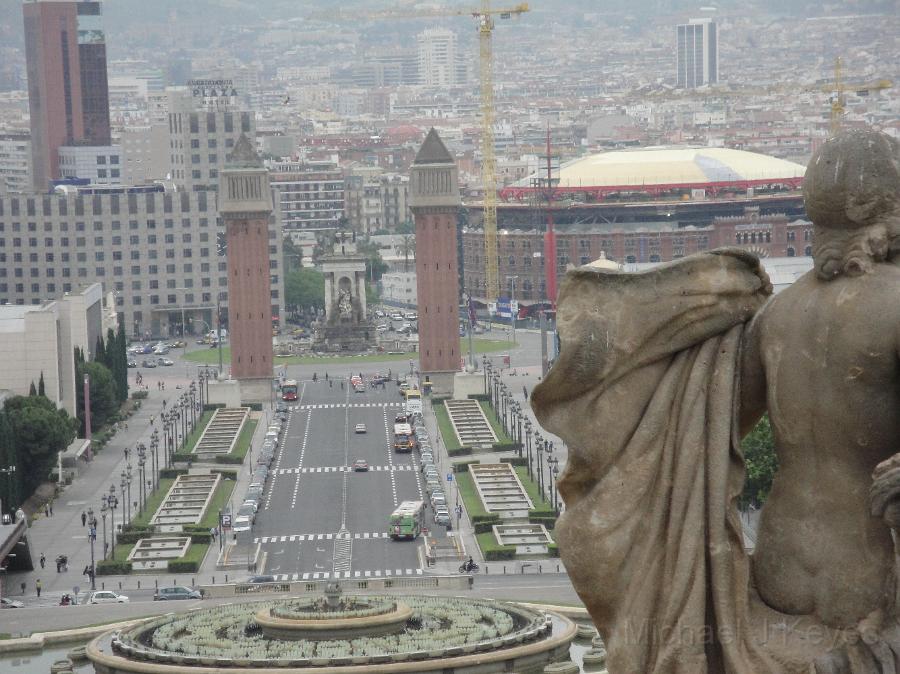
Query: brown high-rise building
(434, 201)
(245, 207)
(68, 94)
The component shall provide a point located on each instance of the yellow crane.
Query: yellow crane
(484, 16)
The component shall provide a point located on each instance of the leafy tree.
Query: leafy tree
(293, 255)
(41, 390)
(32, 390)
(406, 227)
(10, 483)
(304, 288)
(407, 247)
(104, 397)
(40, 432)
(372, 296)
(761, 462)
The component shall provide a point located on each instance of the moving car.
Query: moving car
(359, 388)
(175, 592)
(360, 428)
(148, 363)
(107, 597)
(360, 466)
(261, 579)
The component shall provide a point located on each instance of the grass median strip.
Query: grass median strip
(494, 422)
(446, 427)
(197, 432)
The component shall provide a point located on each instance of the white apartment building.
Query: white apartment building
(100, 164)
(145, 153)
(440, 62)
(310, 195)
(398, 288)
(202, 130)
(15, 161)
(39, 340)
(376, 202)
(697, 53)
(156, 248)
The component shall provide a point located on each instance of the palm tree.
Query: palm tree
(407, 247)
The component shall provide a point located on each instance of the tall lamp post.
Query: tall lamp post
(113, 502)
(528, 446)
(539, 465)
(142, 459)
(92, 534)
(103, 510)
(124, 499)
(554, 474)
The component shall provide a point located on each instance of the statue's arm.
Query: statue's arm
(753, 377)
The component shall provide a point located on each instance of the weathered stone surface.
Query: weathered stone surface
(659, 373)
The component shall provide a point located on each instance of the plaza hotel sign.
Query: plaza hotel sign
(213, 94)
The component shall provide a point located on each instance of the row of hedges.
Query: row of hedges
(140, 395)
(479, 396)
(183, 566)
(172, 473)
(112, 567)
(459, 451)
(256, 407)
(492, 551)
(211, 407)
(514, 460)
(463, 466)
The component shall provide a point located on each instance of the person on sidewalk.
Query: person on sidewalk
(525, 392)
(43, 560)
(37, 586)
(83, 518)
(46, 510)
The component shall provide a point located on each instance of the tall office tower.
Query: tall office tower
(65, 52)
(434, 201)
(204, 122)
(440, 61)
(245, 207)
(697, 53)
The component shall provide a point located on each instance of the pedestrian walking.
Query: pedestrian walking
(212, 533)
(87, 570)
(51, 508)
(43, 560)
(83, 518)
(58, 565)
(152, 419)
(525, 392)
(46, 510)
(37, 586)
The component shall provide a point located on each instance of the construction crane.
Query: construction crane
(485, 21)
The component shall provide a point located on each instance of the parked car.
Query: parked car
(360, 428)
(281, 408)
(248, 509)
(176, 592)
(381, 328)
(359, 388)
(360, 466)
(261, 579)
(107, 597)
(6, 602)
(132, 363)
(164, 362)
(148, 363)
(438, 498)
(442, 517)
(427, 457)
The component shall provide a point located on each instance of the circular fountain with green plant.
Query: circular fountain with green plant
(415, 634)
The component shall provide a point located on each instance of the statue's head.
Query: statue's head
(852, 192)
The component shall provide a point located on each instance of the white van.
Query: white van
(272, 436)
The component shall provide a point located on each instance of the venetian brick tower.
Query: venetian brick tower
(434, 201)
(245, 206)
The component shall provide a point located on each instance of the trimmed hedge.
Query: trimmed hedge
(484, 527)
(479, 396)
(172, 473)
(226, 473)
(209, 407)
(459, 451)
(489, 518)
(182, 566)
(256, 407)
(142, 528)
(183, 458)
(110, 567)
(549, 521)
(463, 466)
(553, 550)
(228, 458)
(514, 460)
(507, 447)
(493, 551)
(139, 395)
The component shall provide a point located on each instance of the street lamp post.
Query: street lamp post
(103, 510)
(528, 445)
(142, 459)
(539, 465)
(113, 503)
(92, 535)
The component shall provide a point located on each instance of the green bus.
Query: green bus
(407, 521)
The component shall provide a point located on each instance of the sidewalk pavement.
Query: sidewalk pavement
(63, 533)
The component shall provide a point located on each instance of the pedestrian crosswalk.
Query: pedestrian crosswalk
(300, 538)
(337, 469)
(326, 575)
(331, 406)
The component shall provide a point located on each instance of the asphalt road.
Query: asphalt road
(319, 518)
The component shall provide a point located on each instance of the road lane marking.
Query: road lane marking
(295, 538)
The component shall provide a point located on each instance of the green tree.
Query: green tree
(100, 351)
(303, 289)
(10, 482)
(104, 398)
(32, 390)
(293, 255)
(406, 227)
(122, 355)
(761, 461)
(41, 390)
(407, 247)
(40, 431)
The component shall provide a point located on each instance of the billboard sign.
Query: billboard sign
(507, 308)
(212, 94)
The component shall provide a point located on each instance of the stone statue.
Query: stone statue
(345, 304)
(659, 375)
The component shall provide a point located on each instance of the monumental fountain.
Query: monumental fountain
(340, 633)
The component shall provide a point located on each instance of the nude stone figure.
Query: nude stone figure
(661, 373)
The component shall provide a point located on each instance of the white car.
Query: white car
(241, 523)
(107, 597)
(360, 428)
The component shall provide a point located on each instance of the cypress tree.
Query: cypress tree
(41, 391)
(32, 391)
(122, 351)
(100, 351)
(9, 483)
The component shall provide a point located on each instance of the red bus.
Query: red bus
(289, 390)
